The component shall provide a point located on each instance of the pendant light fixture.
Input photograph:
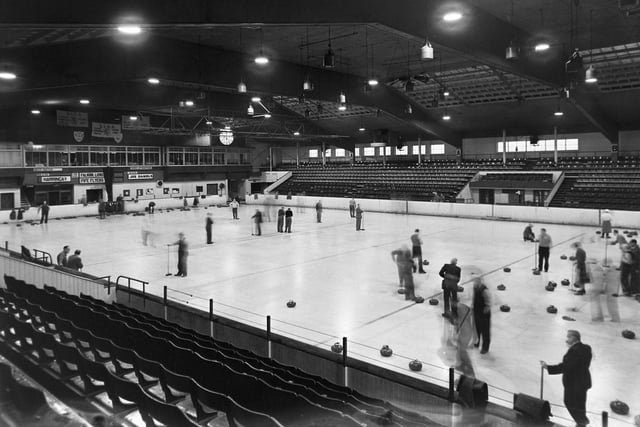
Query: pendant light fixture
(329, 59)
(513, 51)
(307, 84)
(426, 51)
(590, 76)
(261, 59)
(372, 81)
(242, 87)
(250, 110)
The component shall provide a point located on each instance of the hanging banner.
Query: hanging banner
(74, 119)
(106, 130)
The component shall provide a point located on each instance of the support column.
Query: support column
(297, 154)
(384, 155)
(419, 149)
(504, 146)
(270, 159)
(555, 145)
(324, 159)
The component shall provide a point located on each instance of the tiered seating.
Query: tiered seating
(169, 374)
(438, 180)
(599, 183)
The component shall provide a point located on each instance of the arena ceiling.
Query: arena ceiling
(200, 50)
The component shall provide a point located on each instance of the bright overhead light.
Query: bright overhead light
(35, 112)
(261, 59)
(590, 75)
(307, 84)
(250, 110)
(342, 107)
(208, 122)
(85, 101)
(130, 29)
(541, 47)
(426, 51)
(558, 112)
(153, 80)
(188, 103)
(446, 117)
(296, 133)
(329, 58)
(512, 51)
(242, 87)
(267, 116)
(5, 75)
(361, 128)
(133, 118)
(452, 16)
(255, 99)
(372, 81)
(446, 92)
(342, 98)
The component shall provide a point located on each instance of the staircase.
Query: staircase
(563, 197)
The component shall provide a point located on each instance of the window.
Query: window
(340, 152)
(369, 151)
(134, 156)
(191, 156)
(402, 151)
(385, 150)
(313, 154)
(206, 157)
(99, 156)
(219, 158)
(437, 148)
(357, 152)
(10, 155)
(421, 147)
(175, 156)
(542, 145)
(79, 155)
(117, 156)
(151, 156)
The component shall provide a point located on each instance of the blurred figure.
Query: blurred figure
(606, 223)
(280, 223)
(75, 262)
(319, 211)
(450, 274)
(183, 254)
(288, 219)
(628, 267)
(416, 251)
(102, 208)
(268, 206)
(257, 220)
(209, 227)
(62, 256)
(462, 336)
(617, 238)
(234, 208)
(603, 285)
(482, 314)
(402, 258)
(352, 207)
(359, 213)
(528, 235)
(145, 230)
(195, 201)
(152, 207)
(581, 273)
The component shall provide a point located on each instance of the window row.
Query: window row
(525, 146)
(386, 151)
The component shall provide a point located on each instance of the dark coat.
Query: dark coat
(574, 367)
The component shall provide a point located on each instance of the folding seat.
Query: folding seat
(125, 395)
(156, 413)
(67, 360)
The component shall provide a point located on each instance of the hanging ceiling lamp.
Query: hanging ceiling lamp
(426, 51)
(591, 75)
(242, 87)
(513, 51)
(250, 110)
(307, 84)
(329, 59)
(558, 112)
(342, 98)
(261, 59)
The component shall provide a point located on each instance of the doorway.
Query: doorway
(94, 195)
(487, 196)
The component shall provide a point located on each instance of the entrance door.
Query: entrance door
(94, 195)
(6, 201)
(487, 196)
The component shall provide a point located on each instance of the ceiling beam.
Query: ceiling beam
(481, 36)
(107, 62)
